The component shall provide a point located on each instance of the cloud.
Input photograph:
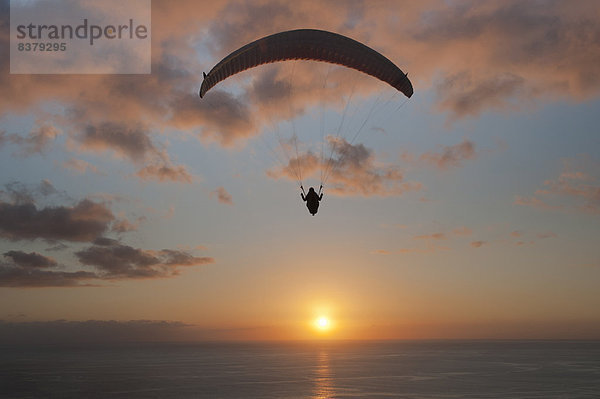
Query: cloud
(492, 54)
(111, 259)
(124, 225)
(165, 172)
(522, 243)
(19, 193)
(30, 260)
(429, 248)
(476, 56)
(450, 156)
(534, 202)
(382, 252)
(576, 187)
(351, 170)
(587, 196)
(431, 241)
(17, 276)
(114, 260)
(482, 56)
(219, 117)
(85, 222)
(462, 231)
(132, 142)
(79, 166)
(459, 231)
(222, 196)
(37, 141)
(463, 97)
(478, 244)
(82, 222)
(434, 236)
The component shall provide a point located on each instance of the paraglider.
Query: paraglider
(312, 199)
(314, 45)
(309, 44)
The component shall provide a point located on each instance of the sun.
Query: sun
(322, 323)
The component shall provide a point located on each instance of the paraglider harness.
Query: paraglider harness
(312, 204)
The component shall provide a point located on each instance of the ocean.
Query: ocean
(394, 369)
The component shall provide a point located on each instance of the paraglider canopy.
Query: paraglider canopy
(309, 44)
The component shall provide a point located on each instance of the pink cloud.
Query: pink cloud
(577, 187)
(222, 196)
(534, 202)
(434, 236)
(351, 170)
(450, 156)
(80, 166)
(478, 244)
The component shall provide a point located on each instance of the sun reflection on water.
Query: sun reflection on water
(323, 377)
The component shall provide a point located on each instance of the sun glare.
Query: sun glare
(322, 323)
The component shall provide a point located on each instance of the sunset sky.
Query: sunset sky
(131, 206)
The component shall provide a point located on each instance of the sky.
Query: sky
(130, 208)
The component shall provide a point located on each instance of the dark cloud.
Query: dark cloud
(82, 222)
(219, 116)
(463, 96)
(132, 142)
(115, 260)
(26, 277)
(30, 260)
(111, 259)
(86, 221)
(182, 258)
(120, 260)
(59, 246)
(20, 193)
(105, 242)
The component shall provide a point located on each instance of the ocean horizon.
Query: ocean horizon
(304, 369)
